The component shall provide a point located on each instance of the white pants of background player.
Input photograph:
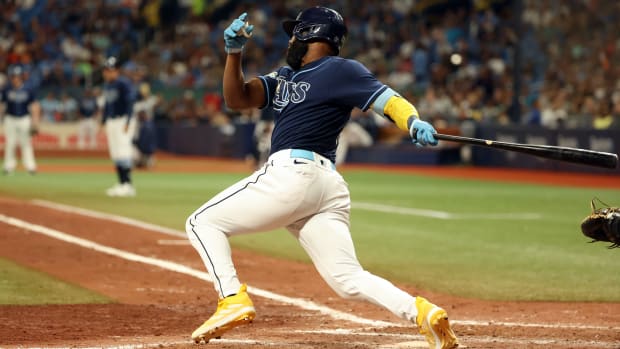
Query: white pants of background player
(87, 133)
(17, 132)
(309, 198)
(120, 144)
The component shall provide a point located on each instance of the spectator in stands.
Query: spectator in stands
(87, 120)
(50, 107)
(183, 110)
(68, 107)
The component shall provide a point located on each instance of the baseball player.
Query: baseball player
(299, 187)
(87, 125)
(118, 98)
(22, 113)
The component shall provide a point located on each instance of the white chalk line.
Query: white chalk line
(182, 269)
(289, 300)
(304, 304)
(442, 214)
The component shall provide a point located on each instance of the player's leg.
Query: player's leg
(115, 132)
(326, 239)
(10, 136)
(124, 161)
(263, 201)
(25, 143)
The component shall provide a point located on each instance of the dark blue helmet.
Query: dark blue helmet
(318, 23)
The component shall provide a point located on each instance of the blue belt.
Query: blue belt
(308, 155)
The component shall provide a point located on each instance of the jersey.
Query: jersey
(17, 100)
(312, 105)
(88, 107)
(119, 96)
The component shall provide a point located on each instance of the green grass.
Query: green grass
(23, 286)
(473, 255)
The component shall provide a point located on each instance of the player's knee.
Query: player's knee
(346, 286)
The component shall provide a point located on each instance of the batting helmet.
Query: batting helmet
(317, 23)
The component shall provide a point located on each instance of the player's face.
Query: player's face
(16, 80)
(110, 74)
(296, 52)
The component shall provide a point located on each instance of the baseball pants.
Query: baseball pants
(17, 133)
(303, 192)
(120, 144)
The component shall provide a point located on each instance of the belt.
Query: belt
(302, 154)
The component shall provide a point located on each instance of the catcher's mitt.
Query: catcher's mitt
(603, 224)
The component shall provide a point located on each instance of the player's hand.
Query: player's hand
(421, 133)
(237, 34)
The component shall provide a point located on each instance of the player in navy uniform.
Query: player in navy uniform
(119, 96)
(22, 113)
(87, 125)
(299, 187)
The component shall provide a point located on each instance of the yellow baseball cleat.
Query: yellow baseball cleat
(232, 311)
(433, 323)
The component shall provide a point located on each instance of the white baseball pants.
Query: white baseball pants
(87, 133)
(120, 144)
(17, 133)
(303, 192)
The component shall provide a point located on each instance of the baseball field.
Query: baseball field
(500, 249)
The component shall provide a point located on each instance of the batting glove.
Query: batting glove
(237, 34)
(421, 133)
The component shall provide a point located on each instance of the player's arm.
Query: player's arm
(35, 111)
(397, 109)
(239, 94)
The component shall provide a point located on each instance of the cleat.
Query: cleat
(232, 311)
(433, 323)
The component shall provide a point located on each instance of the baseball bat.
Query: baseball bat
(574, 155)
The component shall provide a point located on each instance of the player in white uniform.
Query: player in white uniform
(22, 113)
(299, 187)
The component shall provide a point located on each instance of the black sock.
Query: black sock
(125, 175)
(119, 173)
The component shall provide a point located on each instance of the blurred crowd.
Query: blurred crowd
(454, 59)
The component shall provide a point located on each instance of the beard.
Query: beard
(296, 52)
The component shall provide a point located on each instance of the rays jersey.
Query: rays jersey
(88, 107)
(17, 100)
(119, 96)
(312, 105)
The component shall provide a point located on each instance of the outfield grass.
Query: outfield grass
(502, 241)
(23, 286)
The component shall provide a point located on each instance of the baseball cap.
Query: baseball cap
(111, 63)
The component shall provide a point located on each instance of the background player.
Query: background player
(87, 124)
(22, 113)
(118, 98)
(299, 187)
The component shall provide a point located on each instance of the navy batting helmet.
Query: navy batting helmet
(318, 23)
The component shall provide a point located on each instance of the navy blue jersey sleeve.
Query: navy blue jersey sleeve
(355, 85)
(270, 83)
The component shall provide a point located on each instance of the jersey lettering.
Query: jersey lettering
(18, 96)
(289, 91)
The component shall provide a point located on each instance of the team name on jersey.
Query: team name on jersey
(111, 95)
(17, 96)
(289, 91)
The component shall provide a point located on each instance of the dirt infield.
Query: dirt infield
(157, 280)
